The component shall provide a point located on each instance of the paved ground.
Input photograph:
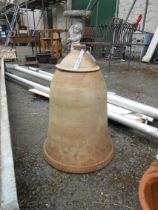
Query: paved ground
(115, 187)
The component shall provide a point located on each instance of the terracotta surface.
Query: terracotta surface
(148, 188)
(78, 140)
(87, 65)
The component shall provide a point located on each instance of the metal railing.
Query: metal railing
(111, 35)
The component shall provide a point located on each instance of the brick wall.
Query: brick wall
(152, 14)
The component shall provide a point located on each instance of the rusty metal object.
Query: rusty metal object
(78, 139)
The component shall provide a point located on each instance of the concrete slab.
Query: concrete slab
(8, 193)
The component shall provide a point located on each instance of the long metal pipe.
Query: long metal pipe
(134, 124)
(90, 1)
(132, 105)
(31, 72)
(130, 10)
(43, 12)
(145, 13)
(29, 82)
(117, 8)
(39, 71)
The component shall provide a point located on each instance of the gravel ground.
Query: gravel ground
(115, 187)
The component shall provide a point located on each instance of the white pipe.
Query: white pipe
(39, 71)
(151, 48)
(30, 72)
(112, 98)
(133, 105)
(28, 82)
(26, 69)
(14, 66)
(134, 124)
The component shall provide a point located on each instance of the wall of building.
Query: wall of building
(103, 10)
(152, 14)
(59, 21)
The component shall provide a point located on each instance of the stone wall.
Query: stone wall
(152, 14)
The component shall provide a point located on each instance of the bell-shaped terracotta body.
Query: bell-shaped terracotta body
(148, 188)
(78, 140)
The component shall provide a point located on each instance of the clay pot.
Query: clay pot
(78, 139)
(148, 188)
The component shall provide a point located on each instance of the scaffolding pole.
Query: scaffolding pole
(26, 6)
(145, 13)
(44, 23)
(131, 8)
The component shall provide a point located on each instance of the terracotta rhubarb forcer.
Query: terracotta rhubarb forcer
(148, 188)
(78, 139)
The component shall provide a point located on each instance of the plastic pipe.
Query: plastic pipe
(30, 72)
(17, 67)
(39, 71)
(112, 98)
(14, 66)
(29, 82)
(134, 124)
(151, 48)
(132, 105)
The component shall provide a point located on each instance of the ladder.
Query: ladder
(14, 18)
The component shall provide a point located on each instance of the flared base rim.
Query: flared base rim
(75, 169)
